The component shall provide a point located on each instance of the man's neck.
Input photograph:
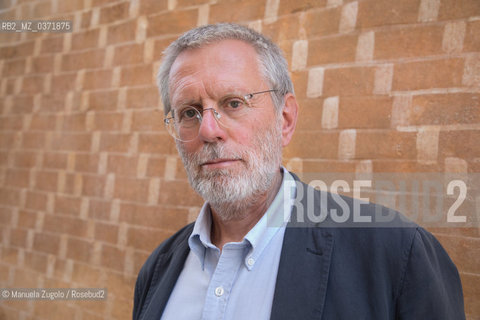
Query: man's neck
(234, 230)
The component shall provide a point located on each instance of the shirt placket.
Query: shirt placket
(222, 281)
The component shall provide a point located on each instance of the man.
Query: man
(230, 105)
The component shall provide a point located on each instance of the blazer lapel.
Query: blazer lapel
(169, 267)
(304, 267)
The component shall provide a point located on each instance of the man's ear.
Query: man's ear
(289, 117)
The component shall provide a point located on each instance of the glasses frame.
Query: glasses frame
(217, 115)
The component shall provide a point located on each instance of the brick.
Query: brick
(283, 28)
(128, 54)
(385, 144)
(42, 9)
(99, 209)
(403, 166)
(229, 10)
(33, 84)
(114, 13)
(69, 6)
(131, 189)
(122, 165)
(373, 13)
(153, 216)
(348, 18)
(156, 143)
(16, 51)
(43, 122)
(145, 97)
(457, 9)
(106, 232)
(97, 79)
(407, 42)
(52, 44)
(9, 255)
(112, 257)
(146, 239)
(74, 123)
(13, 123)
(65, 224)
(86, 20)
(79, 250)
(7, 141)
(427, 145)
(36, 261)
(152, 7)
(61, 84)
(46, 181)
(36, 201)
(22, 104)
(428, 74)
(287, 7)
(103, 100)
(322, 22)
(14, 68)
(122, 32)
(19, 178)
(365, 112)
(320, 145)
(150, 120)
(93, 185)
(6, 216)
(24, 159)
(444, 109)
(449, 145)
(115, 142)
(67, 205)
(86, 39)
(136, 75)
(87, 275)
(471, 73)
(108, 121)
(86, 162)
(332, 50)
(155, 167)
(18, 238)
(55, 160)
(42, 64)
(47, 243)
(71, 142)
(472, 37)
(83, 60)
(348, 81)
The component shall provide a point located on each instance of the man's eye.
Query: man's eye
(235, 104)
(188, 114)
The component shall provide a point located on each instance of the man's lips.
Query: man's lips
(219, 163)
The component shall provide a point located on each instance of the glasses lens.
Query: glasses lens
(183, 125)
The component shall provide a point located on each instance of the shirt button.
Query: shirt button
(219, 291)
(250, 261)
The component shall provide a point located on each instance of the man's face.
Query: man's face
(227, 164)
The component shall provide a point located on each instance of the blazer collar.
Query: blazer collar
(304, 266)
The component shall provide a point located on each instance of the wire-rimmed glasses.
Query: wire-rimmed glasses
(183, 122)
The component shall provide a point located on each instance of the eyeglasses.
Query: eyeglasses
(183, 123)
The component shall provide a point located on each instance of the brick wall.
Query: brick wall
(90, 182)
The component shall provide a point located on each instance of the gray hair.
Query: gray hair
(274, 67)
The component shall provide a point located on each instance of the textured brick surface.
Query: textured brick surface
(90, 182)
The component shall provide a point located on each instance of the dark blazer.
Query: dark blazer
(334, 271)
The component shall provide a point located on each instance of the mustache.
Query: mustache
(211, 152)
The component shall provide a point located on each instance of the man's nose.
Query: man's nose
(210, 129)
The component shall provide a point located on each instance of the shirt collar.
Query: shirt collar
(259, 236)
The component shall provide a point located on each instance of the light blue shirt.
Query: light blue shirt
(238, 282)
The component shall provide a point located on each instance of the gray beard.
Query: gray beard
(228, 192)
